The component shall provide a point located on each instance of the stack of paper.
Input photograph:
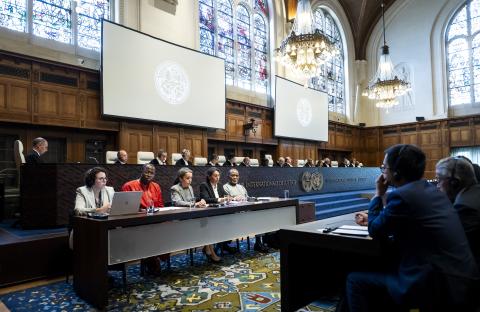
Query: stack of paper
(356, 230)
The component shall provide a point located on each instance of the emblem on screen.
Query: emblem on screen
(304, 112)
(172, 83)
(312, 181)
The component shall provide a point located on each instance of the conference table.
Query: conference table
(314, 264)
(120, 239)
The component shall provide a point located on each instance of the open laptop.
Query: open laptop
(125, 203)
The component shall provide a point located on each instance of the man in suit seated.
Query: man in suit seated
(161, 158)
(309, 163)
(435, 265)
(39, 147)
(213, 161)
(280, 162)
(239, 193)
(288, 162)
(245, 162)
(122, 157)
(230, 162)
(184, 161)
(326, 162)
(456, 178)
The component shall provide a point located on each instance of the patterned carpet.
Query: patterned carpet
(248, 281)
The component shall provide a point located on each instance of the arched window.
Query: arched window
(76, 23)
(463, 55)
(331, 78)
(238, 35)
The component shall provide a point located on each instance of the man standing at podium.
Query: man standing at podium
(40, 147)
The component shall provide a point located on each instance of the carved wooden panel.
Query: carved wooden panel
(388, 141)
(461, 136)
(68, 105)
(408, 138)
(19, 98)
(47, 102)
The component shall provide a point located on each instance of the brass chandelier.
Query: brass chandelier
(385, 86)
(305, 49)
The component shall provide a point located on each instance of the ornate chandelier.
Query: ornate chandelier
(304, 50)
(385, 86)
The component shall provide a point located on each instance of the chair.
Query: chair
(200, 161)
(144, 157)
(175, 157)
(238, 160)
(301, 162)
(221, 160)
(19, 157)
(254, 162)
(270, 160)
(111, 157)
(334, 163)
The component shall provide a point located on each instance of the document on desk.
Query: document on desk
(171, 208)
(356, 230)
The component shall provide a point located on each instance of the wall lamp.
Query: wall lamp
(250, 126)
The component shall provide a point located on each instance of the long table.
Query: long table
(119, 239)
(314, 264)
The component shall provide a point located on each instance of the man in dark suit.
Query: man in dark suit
(230, 162)
(39, 147)
(122, 157)
(213, 161)
(456, 178)
(280, 162)
(288, 162)
(245, 162)
(161, 159)
(436, 268)
(183, 162)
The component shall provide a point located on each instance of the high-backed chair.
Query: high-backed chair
(144, 157)
(334, 163)
(175, 157)
(19, 157)
(301, 162)
(200, 161)
(111, 157)
(270, 160)
(238, 160)
(254, 162)
(221, 160)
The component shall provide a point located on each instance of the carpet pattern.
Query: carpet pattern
(248, 281)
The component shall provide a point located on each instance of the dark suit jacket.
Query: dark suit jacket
(182, 163)
(242, 164)
(33, 158)
(206, 192)
(467, 205)
(117, 162)
(156, 162)
(430, 238)
(229, 164)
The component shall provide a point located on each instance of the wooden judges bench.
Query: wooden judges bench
(99, 243)
(48, 190)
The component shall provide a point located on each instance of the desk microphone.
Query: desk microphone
(96, 161)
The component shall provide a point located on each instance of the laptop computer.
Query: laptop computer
(125, 203)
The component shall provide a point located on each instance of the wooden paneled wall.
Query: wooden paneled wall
(42, 98)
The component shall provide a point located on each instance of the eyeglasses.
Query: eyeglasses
(102, 178)
(383, 168)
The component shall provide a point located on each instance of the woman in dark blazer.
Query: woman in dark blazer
(207, 188)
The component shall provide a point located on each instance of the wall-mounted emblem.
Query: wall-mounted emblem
(312, 181)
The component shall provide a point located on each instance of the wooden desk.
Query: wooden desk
(98, 243)
(313, 264)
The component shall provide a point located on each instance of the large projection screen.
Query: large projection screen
(300, 113)
(147, 78)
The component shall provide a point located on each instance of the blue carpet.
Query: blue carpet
(19, 232)
(248, 281)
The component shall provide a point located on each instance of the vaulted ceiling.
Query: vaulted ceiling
(363, 16)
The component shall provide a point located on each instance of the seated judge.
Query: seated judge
(456, 178)
(122, 157)
(182, 193)
(239, 193)
(95, 195)
(230, 162)
(309, 163)
(431, 243)
(280, 162)
(213, 161)
(185, 160)
(151, 191)
(245, 162)
(39, 147)
(161, 158)
(288, 162)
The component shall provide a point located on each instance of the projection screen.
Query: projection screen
(300, 113)
(147, 78)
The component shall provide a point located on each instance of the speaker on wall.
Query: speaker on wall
(420, 118)
(362, 124)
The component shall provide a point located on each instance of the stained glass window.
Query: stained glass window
(13, 14)
(239, 35)
(463, 55)
(56, 19)
(90, 14)
(331, 78)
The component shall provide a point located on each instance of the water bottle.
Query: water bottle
(150, 207)
(286, 194)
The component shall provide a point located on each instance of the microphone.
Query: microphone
(93, 158)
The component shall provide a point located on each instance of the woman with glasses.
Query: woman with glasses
(95, 195)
